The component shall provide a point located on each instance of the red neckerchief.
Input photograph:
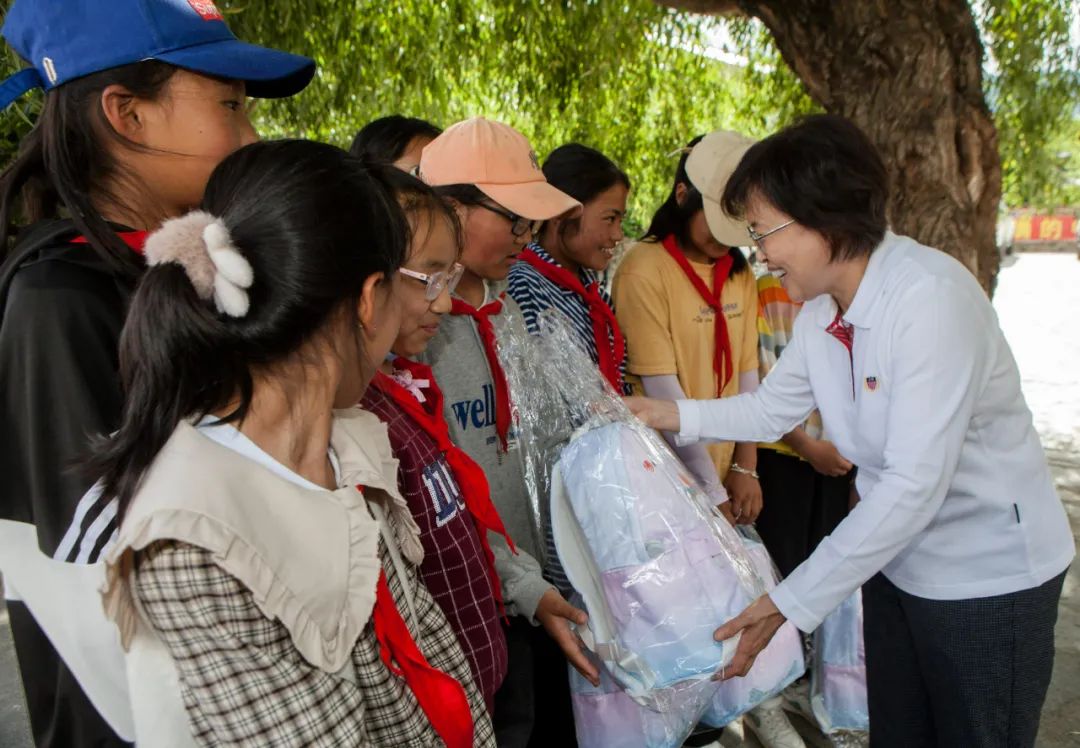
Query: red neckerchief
(610, 344)
(469, 476)
(440, 696)
(134, 239)
(487, 337)
(721, 270)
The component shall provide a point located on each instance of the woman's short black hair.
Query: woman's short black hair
(826, 174)
(387, 138)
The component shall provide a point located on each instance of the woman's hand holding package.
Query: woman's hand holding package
(758, 624)
(662, 415)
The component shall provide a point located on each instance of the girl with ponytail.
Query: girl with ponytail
(263, 544)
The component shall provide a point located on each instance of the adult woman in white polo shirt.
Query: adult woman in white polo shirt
(960, 538)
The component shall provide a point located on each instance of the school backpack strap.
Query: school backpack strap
(39, 237)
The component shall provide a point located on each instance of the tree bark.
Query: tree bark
(909, 73)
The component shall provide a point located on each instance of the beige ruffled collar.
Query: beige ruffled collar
(309, 556)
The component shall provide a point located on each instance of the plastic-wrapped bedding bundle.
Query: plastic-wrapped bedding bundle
(657, 568)
(838, 687)
(779, 665)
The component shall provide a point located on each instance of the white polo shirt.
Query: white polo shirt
(957, 499)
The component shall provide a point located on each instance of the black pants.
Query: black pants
(951, 673)
(60, 714)
(532, 707)
(801, 506)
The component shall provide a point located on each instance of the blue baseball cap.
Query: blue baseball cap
(68, 39)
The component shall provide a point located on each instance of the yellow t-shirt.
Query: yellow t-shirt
(669, 329)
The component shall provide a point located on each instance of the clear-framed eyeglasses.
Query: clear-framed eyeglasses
(759, 239)
(436, 283)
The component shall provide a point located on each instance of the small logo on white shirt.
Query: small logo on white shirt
(871, 384)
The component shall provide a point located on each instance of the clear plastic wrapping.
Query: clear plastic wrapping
(777, 666)
(838, 689)
(558, 392)
(657, 568)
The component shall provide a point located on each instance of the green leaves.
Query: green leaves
(624, 76)
(1033, 86)
(618, 76)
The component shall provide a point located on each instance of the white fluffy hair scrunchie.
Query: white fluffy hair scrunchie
(200, 243)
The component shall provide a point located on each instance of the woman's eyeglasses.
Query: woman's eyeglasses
(518, 226)
(436, 283)
(759, 239)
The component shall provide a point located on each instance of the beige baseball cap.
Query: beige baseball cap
(709, 166)
(499, 161)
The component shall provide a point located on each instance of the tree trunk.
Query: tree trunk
(909, 73)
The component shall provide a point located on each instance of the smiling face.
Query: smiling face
(435, 250)
(798, 256)
(591, 243)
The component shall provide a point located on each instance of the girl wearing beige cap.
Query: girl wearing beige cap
(491, 174)
(669, 292)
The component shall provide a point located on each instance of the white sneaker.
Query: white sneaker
(771, 726)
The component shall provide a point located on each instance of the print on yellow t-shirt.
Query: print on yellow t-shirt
(670, 330)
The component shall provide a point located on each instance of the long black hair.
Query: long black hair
(385, 139)
(582, 173)
(314, 223)
(673, 217)
(64, 167)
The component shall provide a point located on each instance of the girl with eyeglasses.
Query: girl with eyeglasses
(446, 491)
(492, 177)
(264, 578)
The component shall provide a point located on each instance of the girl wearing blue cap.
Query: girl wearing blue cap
(143, 99)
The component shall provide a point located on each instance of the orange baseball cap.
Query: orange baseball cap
(499, 162)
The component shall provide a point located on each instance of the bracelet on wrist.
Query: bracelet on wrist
(745, 471)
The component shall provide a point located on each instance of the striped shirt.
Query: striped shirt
(776, 324)
(535, 294)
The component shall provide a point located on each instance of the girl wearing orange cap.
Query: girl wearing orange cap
(492, 175)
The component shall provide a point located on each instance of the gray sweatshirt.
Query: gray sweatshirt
(461, 369)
